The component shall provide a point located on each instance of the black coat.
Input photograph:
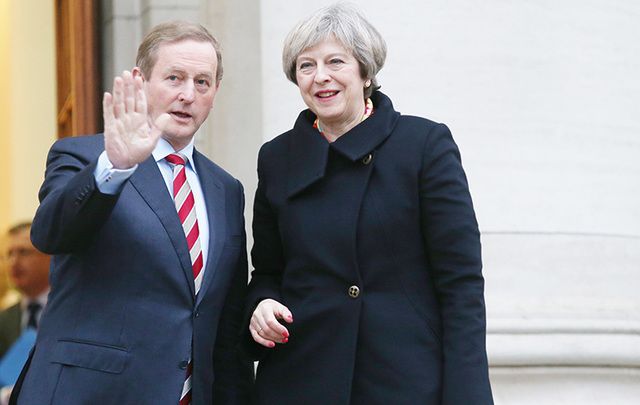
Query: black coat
(373, 245)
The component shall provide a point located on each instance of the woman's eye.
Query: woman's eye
(305, 65)
(336, 61)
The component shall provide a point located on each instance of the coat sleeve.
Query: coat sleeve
(452, 243)
(233, 371)
(266, 254)
(72, 209)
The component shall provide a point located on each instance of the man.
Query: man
(150, 267)
(29, 274)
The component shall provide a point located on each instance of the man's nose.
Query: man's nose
(187, 93)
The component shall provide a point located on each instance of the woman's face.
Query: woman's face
(330, 83)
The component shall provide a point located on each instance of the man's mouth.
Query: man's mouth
(181, 114)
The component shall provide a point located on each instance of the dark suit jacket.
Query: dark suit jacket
(122, 317)
(386, 208)
(10, 327)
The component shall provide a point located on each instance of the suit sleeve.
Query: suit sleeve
(71, 209)
(266, 255)
(452, 242)
(233, 371)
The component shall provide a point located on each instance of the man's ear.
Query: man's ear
(135, 72)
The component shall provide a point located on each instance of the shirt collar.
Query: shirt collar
(40, 299)
(164, 148)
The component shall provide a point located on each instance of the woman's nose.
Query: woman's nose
(322, 75)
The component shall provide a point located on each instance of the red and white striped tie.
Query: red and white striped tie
(185, 205)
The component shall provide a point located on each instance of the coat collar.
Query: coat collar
(308, 150)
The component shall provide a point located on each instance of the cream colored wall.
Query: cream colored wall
(5, 113)
(27, 103)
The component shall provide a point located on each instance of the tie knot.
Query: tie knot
(176, 159)
(34, 307)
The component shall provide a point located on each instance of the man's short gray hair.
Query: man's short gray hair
(346, 24)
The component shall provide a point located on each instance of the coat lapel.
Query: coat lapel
(214, 196)
(368, 135)
(148, 181)
(309, 150)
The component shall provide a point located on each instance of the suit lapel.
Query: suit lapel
(214, 196)
(148, 181)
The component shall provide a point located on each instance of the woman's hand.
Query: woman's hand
(264, 325)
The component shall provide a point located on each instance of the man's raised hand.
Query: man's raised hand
(129, 134)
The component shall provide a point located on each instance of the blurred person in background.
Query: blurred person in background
(28, 271)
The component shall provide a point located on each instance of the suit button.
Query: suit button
(197, 314)
(354, 291)
(183, 364)
(367, 159)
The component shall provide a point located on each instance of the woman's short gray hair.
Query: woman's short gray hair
(346, 24)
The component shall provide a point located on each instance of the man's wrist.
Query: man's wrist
(108, 178)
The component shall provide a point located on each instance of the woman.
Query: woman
(367, 286)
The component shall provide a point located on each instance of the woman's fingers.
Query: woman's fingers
(265, 326)
(284, 313)
(260, 340)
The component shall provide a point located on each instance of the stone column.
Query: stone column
(236, 124)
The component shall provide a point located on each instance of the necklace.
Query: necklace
(368, 111)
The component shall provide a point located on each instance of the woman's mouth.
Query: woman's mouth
(326, 94)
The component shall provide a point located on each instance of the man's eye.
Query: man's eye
(173, 78)
(202, 82)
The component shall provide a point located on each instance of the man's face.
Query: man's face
(183, 84)
(28, 267)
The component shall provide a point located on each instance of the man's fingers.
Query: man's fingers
(160, 124)
(140, 97)
(162, 121)
(129, 92)
(107, 108)
(118, 97)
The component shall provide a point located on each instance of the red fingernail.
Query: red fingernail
(285, 340)
(285, 334)
(271, 344)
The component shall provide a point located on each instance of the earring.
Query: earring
(367, 84)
